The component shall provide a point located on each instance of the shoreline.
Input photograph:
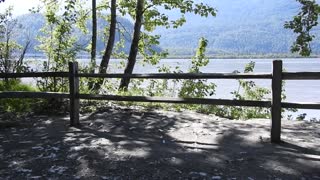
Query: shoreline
(244, 56)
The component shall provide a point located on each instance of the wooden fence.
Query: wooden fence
(275, 104)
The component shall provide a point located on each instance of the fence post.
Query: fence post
(276, 102)
(74, 94)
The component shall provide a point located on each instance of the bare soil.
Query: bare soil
(120, 143)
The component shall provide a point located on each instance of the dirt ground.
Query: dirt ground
(120, 143)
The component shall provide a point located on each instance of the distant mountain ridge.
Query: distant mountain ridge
(240, 27)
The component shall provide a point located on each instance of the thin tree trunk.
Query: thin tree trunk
(94, 37)
(110, 44)
(6, 57)
(134, 45)
(93, 62)
(20, 62)
(112, 34)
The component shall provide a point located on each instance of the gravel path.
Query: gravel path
(139, 144)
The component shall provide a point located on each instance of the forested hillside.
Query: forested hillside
(240, 27)
(31, 25)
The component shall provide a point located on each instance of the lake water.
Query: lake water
(296, 91)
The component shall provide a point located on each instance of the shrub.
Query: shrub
(12, 104)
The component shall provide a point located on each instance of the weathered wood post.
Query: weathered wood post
(74, 94)
(276, 102)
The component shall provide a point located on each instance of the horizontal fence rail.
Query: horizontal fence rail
(181, 76)
(276, 77)
(300, 105)
(35, 75)
(301, 76)
(285, 75)
(42, 95)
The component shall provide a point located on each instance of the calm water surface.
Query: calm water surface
(296, 91)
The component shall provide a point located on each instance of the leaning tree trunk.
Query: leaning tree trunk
(22, 55)
(134, 45)
(112, 34)
(108, 51)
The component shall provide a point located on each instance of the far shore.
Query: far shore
(235, 56)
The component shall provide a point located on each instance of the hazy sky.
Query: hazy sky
(20, 6)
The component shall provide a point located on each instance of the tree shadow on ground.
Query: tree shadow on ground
(134, 144)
